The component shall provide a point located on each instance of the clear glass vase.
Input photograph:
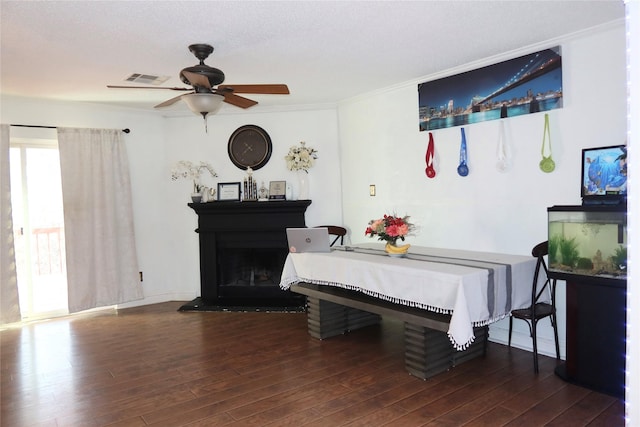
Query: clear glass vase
(303, 185)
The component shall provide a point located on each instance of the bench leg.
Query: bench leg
(429, 352)
(357, 319)
(476, 349)
(326, 319)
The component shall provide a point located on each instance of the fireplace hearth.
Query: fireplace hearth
(243, 247)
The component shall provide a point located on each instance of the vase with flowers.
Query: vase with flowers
(390, 229)
(192, 171)
(300, 159)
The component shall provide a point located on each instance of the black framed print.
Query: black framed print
(229, 192)
(278, 190)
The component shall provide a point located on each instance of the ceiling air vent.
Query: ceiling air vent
(147, 79)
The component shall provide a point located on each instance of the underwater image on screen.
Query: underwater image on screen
(604, 171)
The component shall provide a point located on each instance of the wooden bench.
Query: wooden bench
(334, 311)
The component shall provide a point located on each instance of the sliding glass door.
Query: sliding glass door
(36, 196)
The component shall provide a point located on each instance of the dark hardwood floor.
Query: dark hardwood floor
(156, 366)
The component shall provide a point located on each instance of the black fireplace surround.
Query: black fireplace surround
(243, 247)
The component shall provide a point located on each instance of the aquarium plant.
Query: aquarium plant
(569, 251)
(619, 258)
(554, 242)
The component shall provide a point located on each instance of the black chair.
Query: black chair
(337, 231)
(539, 310)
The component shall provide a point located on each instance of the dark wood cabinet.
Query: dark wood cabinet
(596, 343)
(243, 246)
(591, 258)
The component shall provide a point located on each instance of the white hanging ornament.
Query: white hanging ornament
(503, 163)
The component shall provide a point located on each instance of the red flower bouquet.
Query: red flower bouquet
(390, 228)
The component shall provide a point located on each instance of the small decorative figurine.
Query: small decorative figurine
(263, 193)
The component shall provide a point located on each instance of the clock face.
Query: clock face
(249, 147)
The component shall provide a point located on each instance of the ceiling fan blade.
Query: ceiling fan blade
(275, 89)
(197, 79)
(238, 101)
(148, 87)
(169, 102)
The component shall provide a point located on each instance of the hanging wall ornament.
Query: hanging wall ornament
(430, 170)
(463, 169)
(547, 164)
(503, 162)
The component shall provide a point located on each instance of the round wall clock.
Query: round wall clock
(249, 147)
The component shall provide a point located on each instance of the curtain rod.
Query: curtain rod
(126, 130)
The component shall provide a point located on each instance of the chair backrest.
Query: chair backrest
(337, 231)
(540, 251)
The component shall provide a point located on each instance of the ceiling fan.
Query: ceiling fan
(208, 92)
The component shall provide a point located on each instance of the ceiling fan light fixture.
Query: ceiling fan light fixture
(203, 103)
(206, 98)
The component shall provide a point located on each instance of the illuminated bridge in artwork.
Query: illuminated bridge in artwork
(538, 66)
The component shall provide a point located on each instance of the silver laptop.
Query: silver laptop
(308, 239)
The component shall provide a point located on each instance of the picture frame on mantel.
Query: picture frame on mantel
(229, 192)
(278, 190)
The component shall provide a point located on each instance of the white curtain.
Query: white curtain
(9, 304)
(102, 266)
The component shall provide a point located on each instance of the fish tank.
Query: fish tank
(588, 242)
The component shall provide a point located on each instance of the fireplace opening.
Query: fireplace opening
(251, 266)
(249, 273)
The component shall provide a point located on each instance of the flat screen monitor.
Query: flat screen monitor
(604, 175)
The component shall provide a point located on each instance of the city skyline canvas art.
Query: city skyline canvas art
(524, 85)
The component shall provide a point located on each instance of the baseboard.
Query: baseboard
(156, 299)
(245, 305)
(523, 341)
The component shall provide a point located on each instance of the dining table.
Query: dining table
(464, 290)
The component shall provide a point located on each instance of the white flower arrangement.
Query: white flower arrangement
(301, 158)
(193, 171)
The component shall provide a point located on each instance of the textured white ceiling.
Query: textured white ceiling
(325, 51)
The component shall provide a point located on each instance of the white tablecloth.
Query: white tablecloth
(475, 288)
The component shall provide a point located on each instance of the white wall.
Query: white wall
(166, 242)
(145, 148)
(186, 140)
(487, 210)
